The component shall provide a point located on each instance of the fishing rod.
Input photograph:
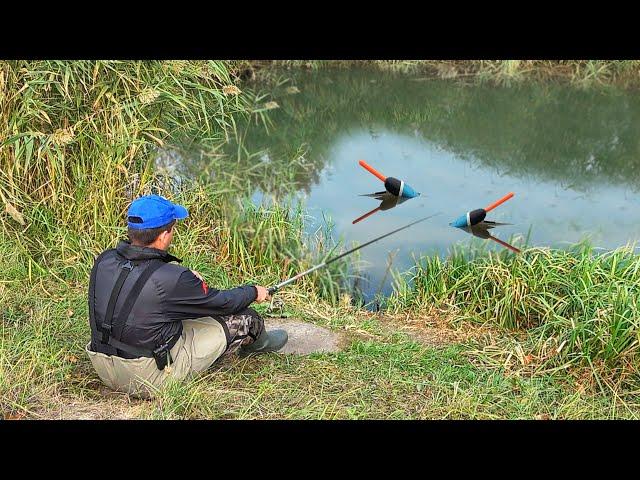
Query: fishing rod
(277, 287)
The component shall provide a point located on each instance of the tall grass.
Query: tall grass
(77, 140)
(581, 306)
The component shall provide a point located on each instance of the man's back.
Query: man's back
(148, 324)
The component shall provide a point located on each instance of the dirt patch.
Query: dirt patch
(306, 338)
(432, 330)
(110, 406)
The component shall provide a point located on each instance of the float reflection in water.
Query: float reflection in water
(481, 230)
(387, 202)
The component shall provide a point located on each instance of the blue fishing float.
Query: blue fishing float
(476, 216)
(392, 185)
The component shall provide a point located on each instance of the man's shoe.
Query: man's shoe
(270, 341)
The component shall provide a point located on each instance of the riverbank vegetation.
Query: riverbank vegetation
(579, 307)
(79, 140)
(583, 73)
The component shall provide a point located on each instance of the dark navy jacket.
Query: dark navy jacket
(172, 294)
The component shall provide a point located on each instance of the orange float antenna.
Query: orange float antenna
(499, 202)
(372, 170)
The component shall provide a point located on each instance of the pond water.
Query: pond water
(571, 156)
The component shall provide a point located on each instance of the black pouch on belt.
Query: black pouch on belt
(162, 355)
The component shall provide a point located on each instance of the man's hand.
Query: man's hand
(263, 294)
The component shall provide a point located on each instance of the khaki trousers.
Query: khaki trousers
(202, 342)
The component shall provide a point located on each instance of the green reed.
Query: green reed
(78, 138)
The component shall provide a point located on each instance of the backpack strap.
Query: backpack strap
(107, 323)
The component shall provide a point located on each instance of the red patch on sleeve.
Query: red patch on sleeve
(205, 288)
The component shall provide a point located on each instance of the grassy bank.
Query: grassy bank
(78, 141)
(578, 72)
(384, 372)
(578, 307)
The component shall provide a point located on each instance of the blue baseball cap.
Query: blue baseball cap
(153, 211)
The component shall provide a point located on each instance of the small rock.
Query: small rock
(306, 338)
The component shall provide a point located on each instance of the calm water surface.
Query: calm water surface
(571, 157)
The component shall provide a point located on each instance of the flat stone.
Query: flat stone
(306, 338)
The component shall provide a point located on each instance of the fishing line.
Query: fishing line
(277, 287)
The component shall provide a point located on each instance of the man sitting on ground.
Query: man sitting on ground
(151, 319)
